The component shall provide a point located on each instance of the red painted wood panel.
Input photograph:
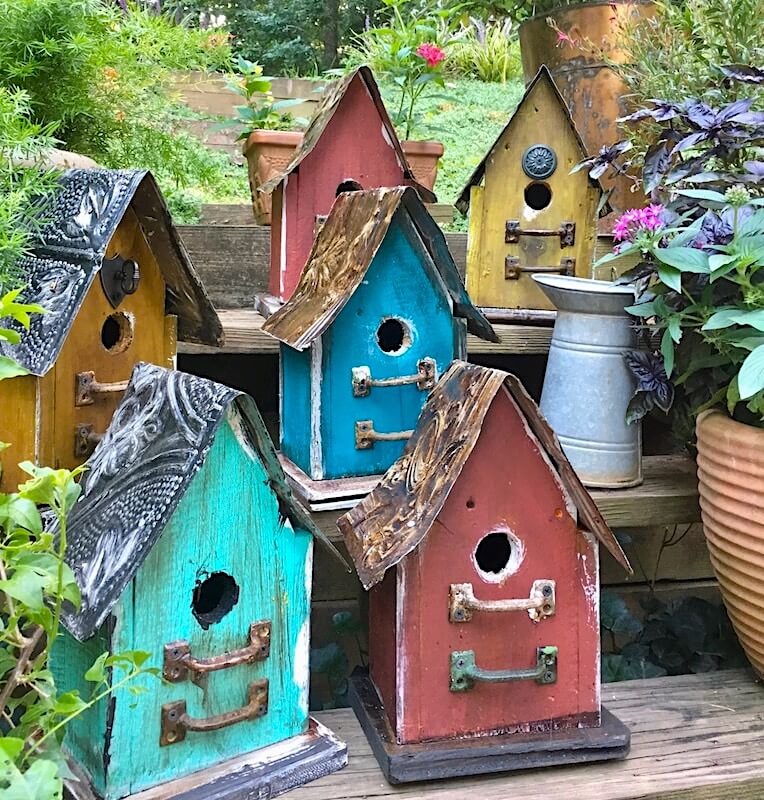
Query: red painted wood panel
(382, 644)
(354, 145)
(505, 484)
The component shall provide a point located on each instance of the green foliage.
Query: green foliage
(35, 582)
(689, 635)
(486, 51)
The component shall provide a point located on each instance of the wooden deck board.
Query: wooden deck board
(694, 737)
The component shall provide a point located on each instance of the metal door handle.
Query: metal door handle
(539, 604)
(179, 662)
(176, 722)
(425, 378)
(513, 270)
(85, 440)
(87, 386)
(566, 232)
(365, 435)
(465, 673)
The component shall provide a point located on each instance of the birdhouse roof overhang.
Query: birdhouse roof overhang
(394, 519)
(342, 253)
(463, 202)
(68, 253)
(157, 442)
(330, 103)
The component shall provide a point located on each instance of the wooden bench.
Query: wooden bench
(694, 737)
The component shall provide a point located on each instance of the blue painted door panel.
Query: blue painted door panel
(295, 406)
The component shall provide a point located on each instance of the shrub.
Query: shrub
(487, 51)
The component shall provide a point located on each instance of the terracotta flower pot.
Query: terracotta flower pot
(423, 159)
(594, 93)
(731, 481)
(267, 154)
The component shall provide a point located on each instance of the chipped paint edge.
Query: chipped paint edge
(316, 456)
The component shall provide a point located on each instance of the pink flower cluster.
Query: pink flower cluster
(635, 220)
(431, 53)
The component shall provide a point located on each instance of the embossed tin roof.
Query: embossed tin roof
(68, 253)
(330, 102)
(158, 440)
(463, 202)
(342, 253)
(397, 515)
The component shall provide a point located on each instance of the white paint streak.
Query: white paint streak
(301, 672)
(589, 570)
(234, 420)
(316, 460)
(283, 239)
(401, 662)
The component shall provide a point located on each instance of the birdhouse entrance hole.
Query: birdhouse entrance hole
(117, 332)
(537, 195)
(497, 555)
(213, 598)
(348, 185)
(393, 336)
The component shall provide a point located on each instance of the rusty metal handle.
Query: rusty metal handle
(85, 440)
(179, 662)
(424, 378)
(86, 387)
(365, 435)
(539, 604)
(176, 722)
(566, 232)
(513, 269)
(465, 672)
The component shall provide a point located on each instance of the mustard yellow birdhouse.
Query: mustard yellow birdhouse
(117, 287)
(528, 213)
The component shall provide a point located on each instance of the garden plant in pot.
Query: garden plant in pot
(270, 133)
(701, 301)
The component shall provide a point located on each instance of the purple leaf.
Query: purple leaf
(743, 73)
(733, 109)
(691, 140)
(657, 161)
(748, 118)
(755, 168)
(701, 115)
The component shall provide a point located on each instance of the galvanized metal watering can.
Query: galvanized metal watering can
(588, 385)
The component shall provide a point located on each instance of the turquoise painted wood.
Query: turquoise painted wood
(295, 402)
(228, 521)
(401, 282)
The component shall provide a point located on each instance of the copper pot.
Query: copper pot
(268, 153)
(594, 93)
(731, 482)
(423, 157)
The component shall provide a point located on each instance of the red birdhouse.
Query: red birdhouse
(480, 544)
(350, 144)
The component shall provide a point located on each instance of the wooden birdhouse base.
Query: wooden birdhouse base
(480, 754)
(267, 772)
(327, 495)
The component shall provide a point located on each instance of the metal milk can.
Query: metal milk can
(588, 385)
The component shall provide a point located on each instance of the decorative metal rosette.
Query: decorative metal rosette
(539, 161)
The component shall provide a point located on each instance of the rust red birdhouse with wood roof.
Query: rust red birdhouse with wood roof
(480, 548)
(350, 144)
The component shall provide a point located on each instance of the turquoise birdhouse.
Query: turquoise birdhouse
(378, 314)
(188, 544)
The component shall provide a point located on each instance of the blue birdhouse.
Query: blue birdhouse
(378, 314)
(187, 544)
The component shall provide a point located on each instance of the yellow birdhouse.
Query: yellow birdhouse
(117, 287)
(528, 213)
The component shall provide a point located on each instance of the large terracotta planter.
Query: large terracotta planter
(423, 159)
(594, 93)
(731, 481)
(267, 153)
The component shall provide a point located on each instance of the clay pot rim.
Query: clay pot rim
(576, 6)
(264, 136)
(732, 428)
(423, 147)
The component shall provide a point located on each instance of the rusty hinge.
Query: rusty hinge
(365, 435)
(86, 386)
(539, 604)
(465, 672)
(425, 378)
(566, 232)
(85, 440)
(513, 269)
(179, 662)
(175, 721)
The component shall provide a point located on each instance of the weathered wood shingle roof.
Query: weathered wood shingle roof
(397, 515)
(343, 252)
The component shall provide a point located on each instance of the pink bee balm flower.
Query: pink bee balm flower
(431, 53)
(565, 38)
(636, 220)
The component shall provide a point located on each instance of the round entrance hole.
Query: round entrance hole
(393, 336)
(213, 598)
(493, 554)
(117, 332)
(537, 195)
(348, 185)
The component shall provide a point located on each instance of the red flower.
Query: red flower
(431, 53)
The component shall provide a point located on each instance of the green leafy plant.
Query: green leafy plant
(488, 51)
(260, 111)
(35, 582)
